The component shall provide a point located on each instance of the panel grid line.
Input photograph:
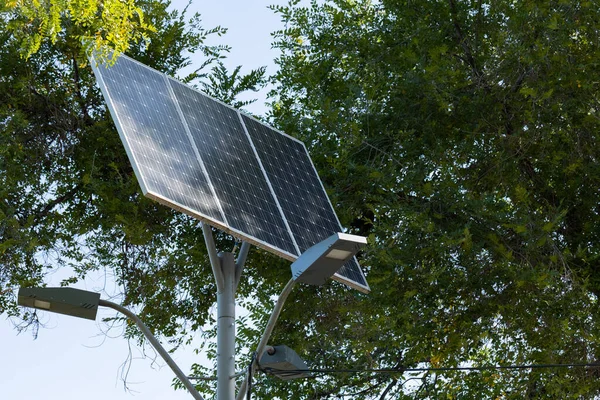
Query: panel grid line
(301, 193)
(118, 124)
(153, 136)
(195, 148)
(234, 169)
(292, 236)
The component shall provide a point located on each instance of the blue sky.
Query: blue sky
(73, 358)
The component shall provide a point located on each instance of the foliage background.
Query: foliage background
(459, 136)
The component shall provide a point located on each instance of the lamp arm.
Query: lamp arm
(156, 344)
(267, 332)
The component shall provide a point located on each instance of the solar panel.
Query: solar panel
(234, 170)
(202, 157)
(301, 194)
(155, 140)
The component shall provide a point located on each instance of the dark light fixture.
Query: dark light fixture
(62, 300)
(284, 363)
(321, 261)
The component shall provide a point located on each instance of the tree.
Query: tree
(68, 196)
(98, 26)
(458, 135)
(461, 137)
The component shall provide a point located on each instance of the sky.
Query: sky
(73, 358)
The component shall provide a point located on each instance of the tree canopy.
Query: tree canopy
(96, 25)
(459, 136)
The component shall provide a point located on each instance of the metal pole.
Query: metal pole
(156, 344)
(226, 329)
(227, 273)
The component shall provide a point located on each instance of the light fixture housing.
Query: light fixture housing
(325, 258)
(62, 300)
(284, 363)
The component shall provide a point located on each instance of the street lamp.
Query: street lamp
(314, 267)
(321, 261)
(61, 300)
(84, 304)
(284, 363)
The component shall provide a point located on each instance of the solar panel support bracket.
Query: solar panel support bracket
(215, 263)
(240, 262)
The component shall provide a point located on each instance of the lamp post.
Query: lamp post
(84, 304)
(314, 267)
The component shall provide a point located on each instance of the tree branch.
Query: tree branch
(60, 199)
(462, 40)
(388, 388)
(80, 100)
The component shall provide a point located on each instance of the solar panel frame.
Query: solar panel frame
(223, 225)
(161, 198)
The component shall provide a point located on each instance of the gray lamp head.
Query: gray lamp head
(62, 300)
(284, 363)
(325, 258)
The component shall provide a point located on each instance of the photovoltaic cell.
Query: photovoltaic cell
(234, 171)
(351, 274)
(155, 139)
(299, 190)
(202, 157)
(303, 199)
